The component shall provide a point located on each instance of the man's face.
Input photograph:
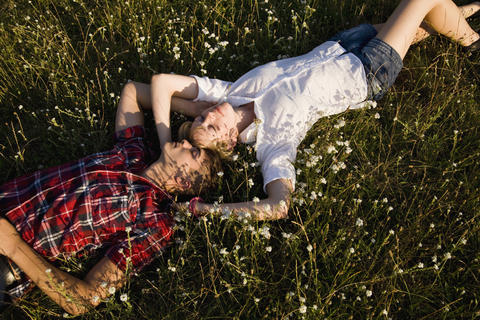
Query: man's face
(218, 123)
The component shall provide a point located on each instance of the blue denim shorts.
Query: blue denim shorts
(382, 63)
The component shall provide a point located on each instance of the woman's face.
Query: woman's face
(217, 123)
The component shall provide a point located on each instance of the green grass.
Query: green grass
(391, 231)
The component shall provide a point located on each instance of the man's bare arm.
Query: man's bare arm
(137, 97)
(274, 207)
(163, 88)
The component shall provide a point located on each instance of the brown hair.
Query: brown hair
(206, 177)
(219, 147)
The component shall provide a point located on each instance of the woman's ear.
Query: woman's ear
(182, 182)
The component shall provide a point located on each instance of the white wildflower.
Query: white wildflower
(266, 232)
(331, 149)
(225, 213)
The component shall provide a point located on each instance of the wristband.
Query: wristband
(192, 204)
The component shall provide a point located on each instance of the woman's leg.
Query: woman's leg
(443, 16)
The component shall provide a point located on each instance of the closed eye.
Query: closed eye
(195, 153)
(210, 127)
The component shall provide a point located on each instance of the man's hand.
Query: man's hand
(201, 208)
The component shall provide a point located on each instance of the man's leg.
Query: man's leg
(443, 16)
(424, 31)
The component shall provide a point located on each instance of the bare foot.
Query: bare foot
(470, 9)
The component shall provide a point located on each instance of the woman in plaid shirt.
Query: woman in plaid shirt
(115, 200)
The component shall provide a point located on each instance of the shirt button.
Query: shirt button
(27, 205)
(99, 174)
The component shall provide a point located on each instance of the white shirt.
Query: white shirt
(289, 96)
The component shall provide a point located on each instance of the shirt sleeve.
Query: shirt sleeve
(132, 143)
(143, 244)
(276, 160)
(214, 90)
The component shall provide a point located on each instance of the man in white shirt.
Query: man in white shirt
(274, 105)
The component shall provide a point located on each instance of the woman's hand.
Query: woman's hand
(200, 106)
(9, 238)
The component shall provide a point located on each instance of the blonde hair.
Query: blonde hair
(219, 147)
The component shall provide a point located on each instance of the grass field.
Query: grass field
(385, 217)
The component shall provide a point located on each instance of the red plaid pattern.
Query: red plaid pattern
(95, 202)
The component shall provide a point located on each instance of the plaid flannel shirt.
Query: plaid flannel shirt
(95, 202)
